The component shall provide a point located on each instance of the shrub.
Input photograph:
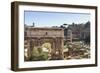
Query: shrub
(38, 54)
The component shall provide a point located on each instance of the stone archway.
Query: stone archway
(54, 46)
(47, 46)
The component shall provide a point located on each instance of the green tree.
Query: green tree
(38, 54)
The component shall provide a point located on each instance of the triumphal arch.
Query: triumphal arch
(36, 36)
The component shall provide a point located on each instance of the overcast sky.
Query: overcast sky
(48, 19)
